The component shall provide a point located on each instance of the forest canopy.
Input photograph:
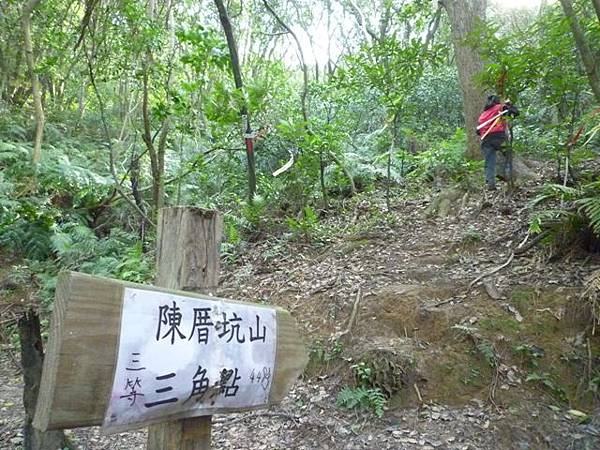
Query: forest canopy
(268, 110)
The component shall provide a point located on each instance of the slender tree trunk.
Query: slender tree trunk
(389, 177)
(432, 28)
(394, 130)
(161, 151)
(464, 16)
(587, 57)
(32, 357)
(329, 68)
(300, 57)
(81, 100)
(4, 72)
(322, 166)
(35, 81)
(134, 177)
(237, 77)
(148, 140)
(155, 152)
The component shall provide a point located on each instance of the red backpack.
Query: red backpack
(497, 126)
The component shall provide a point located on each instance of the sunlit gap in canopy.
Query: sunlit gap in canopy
(319, 45)
(518, 4)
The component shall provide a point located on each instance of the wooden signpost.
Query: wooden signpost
(125, 356)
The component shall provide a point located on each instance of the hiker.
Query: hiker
(493, 131)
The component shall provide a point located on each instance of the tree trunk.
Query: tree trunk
(161, 151)
(148, 139)
(35, 81)
(134, 176)
(81, 101)
(464, 16)
(587, 57)
(237, 77)
(4, 72)
(155, 152)
(32, 357)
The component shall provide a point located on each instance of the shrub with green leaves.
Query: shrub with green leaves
(305, 224)
(443, 160)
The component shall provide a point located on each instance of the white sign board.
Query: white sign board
(179, 354)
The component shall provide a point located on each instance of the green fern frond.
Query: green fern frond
(349, 398)
(591, 208)
(371, 399)
(377, 401)
(552, 191)
(488, 352)
(11, 152)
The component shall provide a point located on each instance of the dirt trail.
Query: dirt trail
(411, 274)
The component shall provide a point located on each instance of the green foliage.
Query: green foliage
(370, 399)
(443, 160)
(594, 384)
(135, 265)
(363, 373)
(390, 67)
(574, 208)
(525, 58)
(364, 395)
(304, 225)
(589, 205)
(472, 236)
(117, 255)
(207, 48)
(547, 382)
(321, 353)
(529, 354)
(487, 350)
(473, 375)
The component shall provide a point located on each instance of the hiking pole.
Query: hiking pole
(498, 117)
(510, 157)
(479, 127)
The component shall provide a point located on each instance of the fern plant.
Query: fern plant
(589, 205)
(546, 381)
(364, 396)
(573, 212)
(371, 399)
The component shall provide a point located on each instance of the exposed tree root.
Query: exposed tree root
(491, 272)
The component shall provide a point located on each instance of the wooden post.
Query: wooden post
(187, 259)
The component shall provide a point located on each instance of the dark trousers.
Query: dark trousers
(489, 146)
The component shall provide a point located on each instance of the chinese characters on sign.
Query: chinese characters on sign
(178, 354)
